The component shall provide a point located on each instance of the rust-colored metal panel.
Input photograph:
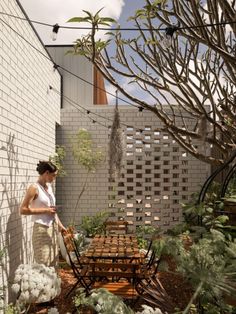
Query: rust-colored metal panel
(99, 92)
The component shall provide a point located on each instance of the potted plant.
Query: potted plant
(92, 225)
(144, 235)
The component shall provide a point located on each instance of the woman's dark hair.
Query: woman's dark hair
(44, 166)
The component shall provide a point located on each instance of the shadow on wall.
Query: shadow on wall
(12, 236)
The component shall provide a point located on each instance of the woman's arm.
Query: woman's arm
(59, 223)
(30, 195)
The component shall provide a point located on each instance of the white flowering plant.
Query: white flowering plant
(53, 310)
(36, 283)
(102, 301)
(149, 310)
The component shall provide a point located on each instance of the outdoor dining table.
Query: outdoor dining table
(115, 258)
(114, 247)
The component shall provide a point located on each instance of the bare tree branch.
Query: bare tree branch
(193, 80)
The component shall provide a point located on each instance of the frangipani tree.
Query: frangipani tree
(182, 59)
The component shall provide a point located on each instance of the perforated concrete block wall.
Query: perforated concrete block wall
(157, 176)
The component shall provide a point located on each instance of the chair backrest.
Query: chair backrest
(153, 264)
(152, 261)
(116, 226)
(79, 269)
(71, 249)
(113, 269)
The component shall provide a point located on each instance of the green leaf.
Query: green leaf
(157, 2)
(140, 12)
(223, 219)
(97, 13)
(78, 19)
(209, 209)
(104, 23)
(90, 16)
(108, 19)
(220, 205)
(110, 34)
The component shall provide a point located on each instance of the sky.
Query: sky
(60, 11)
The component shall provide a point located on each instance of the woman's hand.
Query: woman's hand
(62, 229)
(52, 210)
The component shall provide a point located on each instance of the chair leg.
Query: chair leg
(73, 287)
(74, 311)
(83, 284)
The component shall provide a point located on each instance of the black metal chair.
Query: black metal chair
(120, 226)
(77, 264)
(148, 272)
(230, 166)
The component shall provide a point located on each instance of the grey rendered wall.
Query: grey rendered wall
(28, 117)
(74, 86)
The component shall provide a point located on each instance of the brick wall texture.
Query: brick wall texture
(28, 117)
(157, 176)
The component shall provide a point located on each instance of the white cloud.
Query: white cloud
(148, 97)
(124, 82)
(228, 27)
(112, 90)
(60, 11)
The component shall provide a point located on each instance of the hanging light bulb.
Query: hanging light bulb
(140, 111)
(55, 66)
(48, 89)
(167, 39)
(55, 32)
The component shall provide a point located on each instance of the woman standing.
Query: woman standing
(39, 201)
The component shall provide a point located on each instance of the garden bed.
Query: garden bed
(176, 288)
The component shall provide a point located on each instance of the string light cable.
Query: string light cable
(87, 112)
(76, 106)
(166, 29)
(56, 66)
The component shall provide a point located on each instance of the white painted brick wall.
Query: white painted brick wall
(28, 117)
(97, 194)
